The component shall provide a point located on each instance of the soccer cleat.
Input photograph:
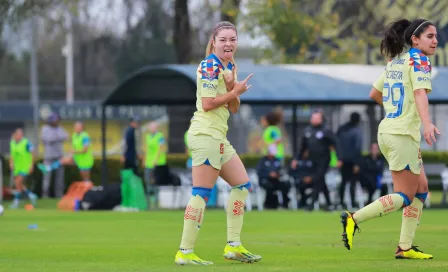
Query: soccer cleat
(239, 253)
(349, 228)
(412, 253)
(189, 258)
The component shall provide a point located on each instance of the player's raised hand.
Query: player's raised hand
(241, 86)
(429, 132)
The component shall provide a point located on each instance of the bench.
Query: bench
(176, 197)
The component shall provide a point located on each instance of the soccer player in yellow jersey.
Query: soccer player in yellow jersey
(218, 92)
(402, 90)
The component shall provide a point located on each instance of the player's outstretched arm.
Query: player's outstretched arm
(376, 96)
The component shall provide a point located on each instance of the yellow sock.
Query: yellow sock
(382, 206)
(193, 218)
(409, 224)
(235, 213)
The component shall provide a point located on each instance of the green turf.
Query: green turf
(147, 241)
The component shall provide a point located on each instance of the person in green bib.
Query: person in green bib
(82, 151)
(272, 136)
(21, 164)
(155, 153)
(82, 155)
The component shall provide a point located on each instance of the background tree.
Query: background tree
(331, 31)
(182, 32)
(230, 10)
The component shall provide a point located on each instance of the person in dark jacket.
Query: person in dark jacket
(318, 141)
(130, 153)
(372, 171)
(302, 170)
(268, 171)
(350, 155)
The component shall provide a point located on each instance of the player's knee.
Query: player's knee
(247, 186)
(204, 193)
(422, 196)
(423, 187)
(407, 200)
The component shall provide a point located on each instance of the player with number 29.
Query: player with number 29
(402, 90)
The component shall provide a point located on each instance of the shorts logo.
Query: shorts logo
(221, 149)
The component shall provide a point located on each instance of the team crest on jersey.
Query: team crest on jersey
(420, 62)
(209, 69)
(209, 75)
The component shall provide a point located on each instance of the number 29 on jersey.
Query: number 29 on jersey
(395, 93)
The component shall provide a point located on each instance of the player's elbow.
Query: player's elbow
(374, 94)
(420, 93)
(207, 104)
(206, 107)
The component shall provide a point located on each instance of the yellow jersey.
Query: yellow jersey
(210, 83)
(403, 75)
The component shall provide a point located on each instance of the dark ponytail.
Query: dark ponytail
(394, 38)
(399, 34)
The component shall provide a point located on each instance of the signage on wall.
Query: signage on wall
(79, 111)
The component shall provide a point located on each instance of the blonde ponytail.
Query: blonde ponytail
(234, 70)
(209, 48)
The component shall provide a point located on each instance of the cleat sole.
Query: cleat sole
(406, 258)
(344, 217)
(242, 261)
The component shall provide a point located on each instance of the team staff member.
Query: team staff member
(130, 154)
(318, 142)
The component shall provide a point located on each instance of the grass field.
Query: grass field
(147, 241)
